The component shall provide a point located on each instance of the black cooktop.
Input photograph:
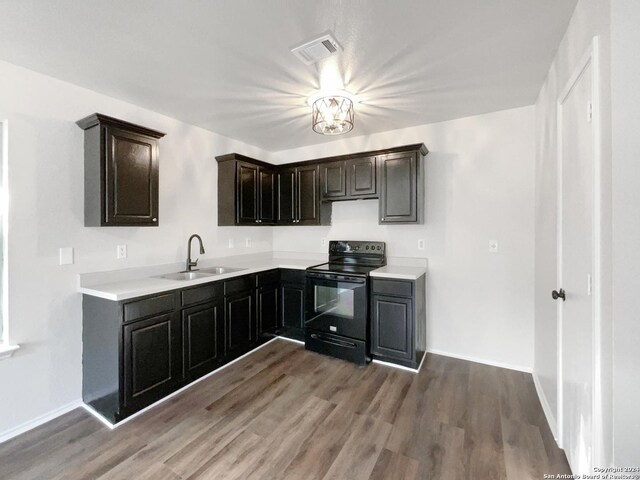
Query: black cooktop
(343, 268)
(352, 257)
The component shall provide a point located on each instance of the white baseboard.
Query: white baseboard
(112, 426)
(509, 366)
(548, 413)
(401, 367)
(36, 422)
(299, 342)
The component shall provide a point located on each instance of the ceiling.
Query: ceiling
(226, 65)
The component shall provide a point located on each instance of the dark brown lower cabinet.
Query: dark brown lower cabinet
(292, 302)
(398, 321)
(267, 299)
(392, 327)
(139, 350)
(152, 359)
(240, 318)
(203, 339)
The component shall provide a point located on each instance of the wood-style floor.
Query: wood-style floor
(285, 413)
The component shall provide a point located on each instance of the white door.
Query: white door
(575, 274)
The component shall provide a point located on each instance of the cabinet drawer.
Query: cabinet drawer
(238, 284)
(292, 276)
(149, 306)
(398, 288)
(267, 278)
(208, 292)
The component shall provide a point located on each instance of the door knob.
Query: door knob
(559, 294)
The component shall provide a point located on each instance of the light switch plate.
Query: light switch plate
(66, 256)
(247, 242)
(121, 251)
(231, 243)
(493, 246)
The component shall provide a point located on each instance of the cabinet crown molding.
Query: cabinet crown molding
(101, 119)
(419, 147)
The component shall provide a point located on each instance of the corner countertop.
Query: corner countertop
(130, 283)
(143, 281)
(399, 272)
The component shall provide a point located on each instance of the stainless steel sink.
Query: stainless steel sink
(185, 275)
(220, 270)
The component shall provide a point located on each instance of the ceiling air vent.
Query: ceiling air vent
(317, 49)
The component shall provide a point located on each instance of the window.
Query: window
(2, 242)
(6, 350)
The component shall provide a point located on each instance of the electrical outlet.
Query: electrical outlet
(323, 242)
(231, 243)
(421, 244)
(247, 242)
(121, 251)
(66, 256)
(493, 246)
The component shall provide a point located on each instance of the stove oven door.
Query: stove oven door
(337, 304)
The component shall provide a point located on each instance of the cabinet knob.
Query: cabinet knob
(154, 219)
(382, 219)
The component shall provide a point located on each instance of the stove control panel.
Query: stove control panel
(356, 247)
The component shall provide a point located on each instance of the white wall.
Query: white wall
(45, 160)
(591, 18)
(479, 187)
(625, 78)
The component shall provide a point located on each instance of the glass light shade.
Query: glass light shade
(332, 115)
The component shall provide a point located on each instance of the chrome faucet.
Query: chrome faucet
(191, 264)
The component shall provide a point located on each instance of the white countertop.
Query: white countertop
(398, 271)
(136, 282)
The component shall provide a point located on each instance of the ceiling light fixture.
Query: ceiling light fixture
(332, 112)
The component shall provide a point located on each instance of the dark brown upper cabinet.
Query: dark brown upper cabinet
(333, 177)
(299, 197)
(253, 192)
(361, 175)
(121, 173)
(349, 179)
(401, 188)
(246, 193)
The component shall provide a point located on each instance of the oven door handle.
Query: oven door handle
(335, 278)
(332, 341)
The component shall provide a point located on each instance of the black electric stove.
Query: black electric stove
(337, 300)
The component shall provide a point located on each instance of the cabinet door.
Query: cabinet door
(292, 305)
(398, 188)
(392, 327)
(307, 196)
(286, 196)
(247, 193)
(131, 179)
(266, 196)
(203, 339)
(240, 319)
(152, 359)
(267, 298)
(362, 177)
(333, 178)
